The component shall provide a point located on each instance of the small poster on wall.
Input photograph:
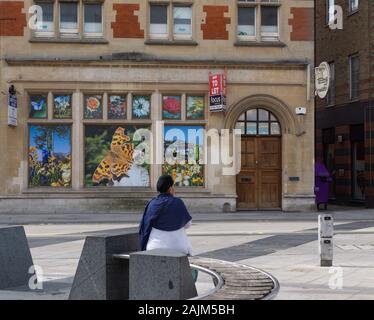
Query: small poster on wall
(12, 107)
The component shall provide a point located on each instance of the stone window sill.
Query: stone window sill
(171, 42)
(69, 40)
(259, 44)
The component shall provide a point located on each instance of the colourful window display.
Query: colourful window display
(111, 157)
(117, 105)
(184, 144)
(141, 107)
(93, 106)
(195, 108)
(62, 106)
(171, 108)
(49, 156)
(38, 106)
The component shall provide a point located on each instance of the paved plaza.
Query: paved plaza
(285, 245)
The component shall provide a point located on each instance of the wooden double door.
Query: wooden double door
(259, 183)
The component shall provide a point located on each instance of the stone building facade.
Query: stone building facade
(344, 119)
(89, 74)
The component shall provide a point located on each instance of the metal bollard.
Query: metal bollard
(325, 239)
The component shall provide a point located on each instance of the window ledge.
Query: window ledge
(260, 44)
(171, 42)
(68, 40)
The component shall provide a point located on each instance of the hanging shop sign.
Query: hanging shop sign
(217, 92)
(12, 107)
(322, 79)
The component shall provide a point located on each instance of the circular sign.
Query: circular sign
(322, 79)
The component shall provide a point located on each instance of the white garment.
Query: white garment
(173, 240)
(137, 177)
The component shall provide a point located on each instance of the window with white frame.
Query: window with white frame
(158, 27)
(68, 18)
(181, 21)
(354, 76)
(330, 10)
(330, 98)
(93, 23)
(353, 5)
(63, 19)
(258, 20)
(45, 25)
(246, 22)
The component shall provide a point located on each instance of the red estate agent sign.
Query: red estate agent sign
(217, 92)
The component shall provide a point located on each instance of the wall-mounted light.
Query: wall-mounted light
(340, 138)
(300, 111)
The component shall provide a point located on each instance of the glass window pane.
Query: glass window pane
(252, 115)
(275, 128)
(38, 106)
(272, 118)
(158, 20)
(182, 20)
(141, 106)
(246, 21)
(93, 106)
(68, 16)
(251, 128)
(240, 125)
(269, 19)
(263, 115)
(46, 24)
(93, 18)
(242, 117)
(62, 106)
(49, 156)
(263, 128)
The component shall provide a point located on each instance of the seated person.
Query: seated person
(165, 221)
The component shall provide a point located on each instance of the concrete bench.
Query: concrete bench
(112, 268)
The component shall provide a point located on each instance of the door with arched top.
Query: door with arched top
(259, 183)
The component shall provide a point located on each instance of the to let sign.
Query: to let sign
(217, 92)
(12, 109)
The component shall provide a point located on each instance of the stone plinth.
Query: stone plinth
(160, 275)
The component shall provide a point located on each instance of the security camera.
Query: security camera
(300, 111)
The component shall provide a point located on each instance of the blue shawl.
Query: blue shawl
(166, 213)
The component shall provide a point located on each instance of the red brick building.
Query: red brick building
(344, 119)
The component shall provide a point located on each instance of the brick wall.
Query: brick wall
(127, 24)
(302, 24)
(215, 27)
(338, 45)
(12, 19)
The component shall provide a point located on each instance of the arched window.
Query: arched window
(258, 122)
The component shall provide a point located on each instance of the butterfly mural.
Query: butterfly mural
(38, 106)
(110, 157)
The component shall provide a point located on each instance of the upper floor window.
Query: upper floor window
(68, 18)
(353, 5)
(258, 20)
(62, 19)
(330, 10)
(181, 20)
(354, 76)
(45, 27)
(330, 98)
(93, 23)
